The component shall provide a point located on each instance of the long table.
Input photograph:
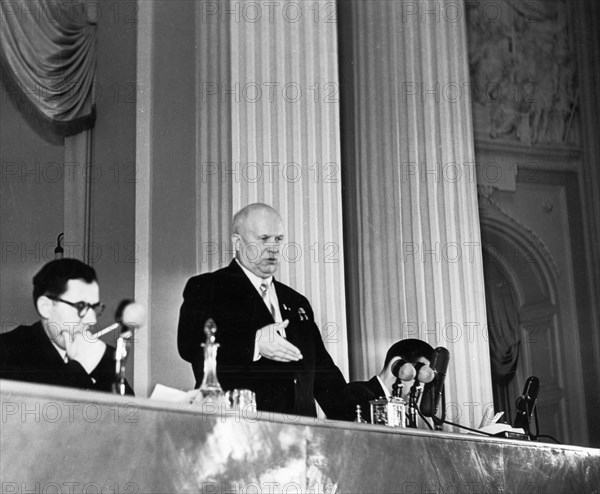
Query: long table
(58, 440)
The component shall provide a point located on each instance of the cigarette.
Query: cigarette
(106, 330)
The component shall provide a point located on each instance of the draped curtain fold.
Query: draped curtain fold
(503, 326)
(48, 57)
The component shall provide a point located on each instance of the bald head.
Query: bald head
(257, 237)
(250, 213)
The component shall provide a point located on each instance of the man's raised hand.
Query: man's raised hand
(273, 346)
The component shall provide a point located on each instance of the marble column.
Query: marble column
(413, 240)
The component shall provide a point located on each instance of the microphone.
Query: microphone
(130, 316)
(434, 389)
(424, 373)
(121, 308)
(404, 370)
(526, 404)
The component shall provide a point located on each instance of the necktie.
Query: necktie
(264, 291)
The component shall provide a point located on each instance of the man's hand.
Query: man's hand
(273, 346)
(84, 347)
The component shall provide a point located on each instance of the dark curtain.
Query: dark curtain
(48, 57)
(504, 332)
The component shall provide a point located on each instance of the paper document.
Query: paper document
(165, 393)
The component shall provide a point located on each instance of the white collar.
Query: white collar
(255, 280)
(384, 387)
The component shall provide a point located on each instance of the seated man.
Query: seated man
(361, 393)
(268, 340)
(60, 349)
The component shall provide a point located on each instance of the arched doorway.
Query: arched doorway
(528, 328)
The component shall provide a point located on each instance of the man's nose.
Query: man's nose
(274, 247)
(90, 317)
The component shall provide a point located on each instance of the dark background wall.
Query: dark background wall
(31, 209)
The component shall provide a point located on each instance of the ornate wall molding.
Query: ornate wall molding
(487, 201)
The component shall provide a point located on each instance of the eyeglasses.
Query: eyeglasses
(81, 307)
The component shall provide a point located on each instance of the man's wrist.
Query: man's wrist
(257, 354)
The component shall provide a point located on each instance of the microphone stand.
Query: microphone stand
(397, 388)
(123, 344)
(537, 425)
(437, 421)
(530, 410)
(410, 413)
(442, 419)
(413, 404)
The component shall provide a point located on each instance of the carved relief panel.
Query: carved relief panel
(523, 71)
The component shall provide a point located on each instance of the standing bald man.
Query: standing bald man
(269, 342)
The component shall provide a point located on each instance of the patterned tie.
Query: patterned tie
(264, 291)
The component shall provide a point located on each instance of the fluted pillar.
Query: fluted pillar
(214, 183)
(284, 97)
(414, 252)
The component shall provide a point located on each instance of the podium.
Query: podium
(58, 440)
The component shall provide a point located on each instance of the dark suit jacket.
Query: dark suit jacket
(229, 298)
(360, 393)
(27, 354)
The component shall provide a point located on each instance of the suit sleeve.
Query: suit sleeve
(330, 385)
(203, 298)
(191, 314)
(236, 341)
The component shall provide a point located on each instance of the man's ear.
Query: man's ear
(43, 306)
(235, 240)
(388, 367)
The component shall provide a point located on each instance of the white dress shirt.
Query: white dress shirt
(272, 297)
